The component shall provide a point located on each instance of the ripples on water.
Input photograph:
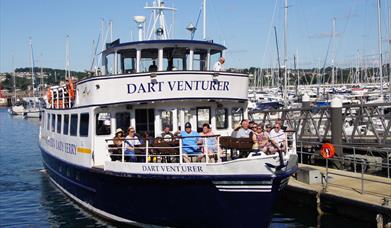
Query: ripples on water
(29, 199)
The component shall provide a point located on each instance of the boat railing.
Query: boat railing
(206, 149)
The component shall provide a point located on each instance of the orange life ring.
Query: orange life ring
(327, 150)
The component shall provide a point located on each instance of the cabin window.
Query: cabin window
(128, 61)
(53, 122)
(66, 124)
(167, 118)
(174, 59)
(110, 64)
(73, 125)
(221, 118)
(199, 61)
(237, 116)
(84, 122)
(203, 117)
(149, 61)
(59, 120)
(48, 122)
(122, 120)
(103, 123)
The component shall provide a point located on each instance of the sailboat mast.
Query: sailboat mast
(380, 47)
(14, 77)
(285, 50)
(204, 20)
(333, 58)
(32, 66)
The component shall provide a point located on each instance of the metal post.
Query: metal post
(327, 174)
(336, 127)
(354, 158)
(123, 151)
(146, 150)
(388, 165)
(180, 150)
(301, 154)
(218, 149)
(362, 176)
(206, 150)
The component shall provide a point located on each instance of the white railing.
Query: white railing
(175, 151)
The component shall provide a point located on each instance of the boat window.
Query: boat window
(48, 123)
(203, 117)
(221, 118)
(84, 117)
(53, 122)
(103, 123)
(199, 61)
(237, 116)
(59, 120)
(149, 61)
(128, 61)
(110, 64)
(122, 120)
(188, 115)
(66, 124)
(166, 117)
(73, 125)
(174, 59)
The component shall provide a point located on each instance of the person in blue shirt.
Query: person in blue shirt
(190, 142)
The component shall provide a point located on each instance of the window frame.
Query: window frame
(72, 123)
(82, 131)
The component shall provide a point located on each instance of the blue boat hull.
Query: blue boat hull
(179, 201)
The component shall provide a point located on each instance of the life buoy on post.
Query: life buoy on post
(327, 150)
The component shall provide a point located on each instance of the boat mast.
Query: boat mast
(380, 47)
(14, 78)
(32, 66)
(285, 50)
(333, 58)
(204, 20)
(389, 49)
(67, 59)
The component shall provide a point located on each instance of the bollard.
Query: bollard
(336, 128)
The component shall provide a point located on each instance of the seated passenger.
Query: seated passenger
(167, 135)
(244, 130)
(278, 139)
(131, 140)
(261, 139)
(209, 143)
(190, 142)
(116, 152)
(153, 67)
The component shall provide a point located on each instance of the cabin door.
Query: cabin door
(145, 121)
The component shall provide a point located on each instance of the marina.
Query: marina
(171, 129)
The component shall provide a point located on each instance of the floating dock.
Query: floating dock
(359, 196)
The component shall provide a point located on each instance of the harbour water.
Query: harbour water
(29, 199)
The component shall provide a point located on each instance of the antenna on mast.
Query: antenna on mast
(158, 9)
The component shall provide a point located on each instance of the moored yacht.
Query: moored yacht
(148, 85)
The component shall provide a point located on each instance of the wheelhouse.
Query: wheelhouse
(166, 55)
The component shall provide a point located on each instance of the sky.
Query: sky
(245, 27)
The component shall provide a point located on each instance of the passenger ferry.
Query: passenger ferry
(159, 187)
